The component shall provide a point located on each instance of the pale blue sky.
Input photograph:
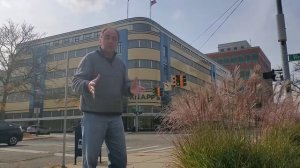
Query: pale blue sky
(253, 20)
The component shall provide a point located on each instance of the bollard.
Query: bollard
(78, 142)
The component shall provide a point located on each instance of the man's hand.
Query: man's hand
(135, 88)
(92, 84)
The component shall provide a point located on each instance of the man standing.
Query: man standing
(101, 80)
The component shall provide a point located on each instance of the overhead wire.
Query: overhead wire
(222, 15)
(221, 24)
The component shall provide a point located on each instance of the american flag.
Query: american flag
(152, 2)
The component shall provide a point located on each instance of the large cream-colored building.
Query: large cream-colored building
(151, 53)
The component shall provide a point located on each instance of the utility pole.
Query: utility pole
(282, 40)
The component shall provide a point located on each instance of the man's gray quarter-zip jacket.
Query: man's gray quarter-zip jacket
(110, 88)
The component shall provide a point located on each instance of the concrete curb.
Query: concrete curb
(34, 137)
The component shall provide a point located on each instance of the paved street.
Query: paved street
(46, 150)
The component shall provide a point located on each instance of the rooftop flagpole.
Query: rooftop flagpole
(152, 2)
(127, 7)
(150, 10)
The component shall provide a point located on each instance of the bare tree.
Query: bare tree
(295, 80)
(16, 68)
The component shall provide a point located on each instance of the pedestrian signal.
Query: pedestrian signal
(270, 75)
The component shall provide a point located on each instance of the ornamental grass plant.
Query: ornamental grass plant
(234, 124)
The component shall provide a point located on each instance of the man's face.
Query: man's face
(109, 40)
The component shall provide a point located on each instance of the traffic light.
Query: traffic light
(174, 81)
(158, 91)
(177, 80)
(182, 80)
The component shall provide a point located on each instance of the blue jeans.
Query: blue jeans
(99, 128)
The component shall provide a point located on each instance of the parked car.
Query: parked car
(10, 133)
(37, 129)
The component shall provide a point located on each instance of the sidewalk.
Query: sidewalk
(157, 159)
(153, 159)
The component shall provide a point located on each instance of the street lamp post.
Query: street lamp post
(65, 113)
(136, 114)
(37, 114)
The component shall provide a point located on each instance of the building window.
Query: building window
(220, 61)
(155, 45)
(155, 65)
(254, 58)
(133, 64)
(56, 43)
(149, 83)
(81, 52)
(66, 41)
(59, 56)
(143, 64)
(71, 54)
(222, 50)
(233, 59)
(56, 113)
(241, 59)
(59, 74)
(91, 49)
(145, 44)
(88, 36)
(226, 60)
(248, 58)
(133, 44)
(141, 27)
(146, 83)
(183, 59)
(76, 39)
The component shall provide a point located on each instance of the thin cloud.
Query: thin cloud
(177, 15)
(5, 4)
(9, 4)
(84, 5)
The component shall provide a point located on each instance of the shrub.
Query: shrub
(234, 124)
